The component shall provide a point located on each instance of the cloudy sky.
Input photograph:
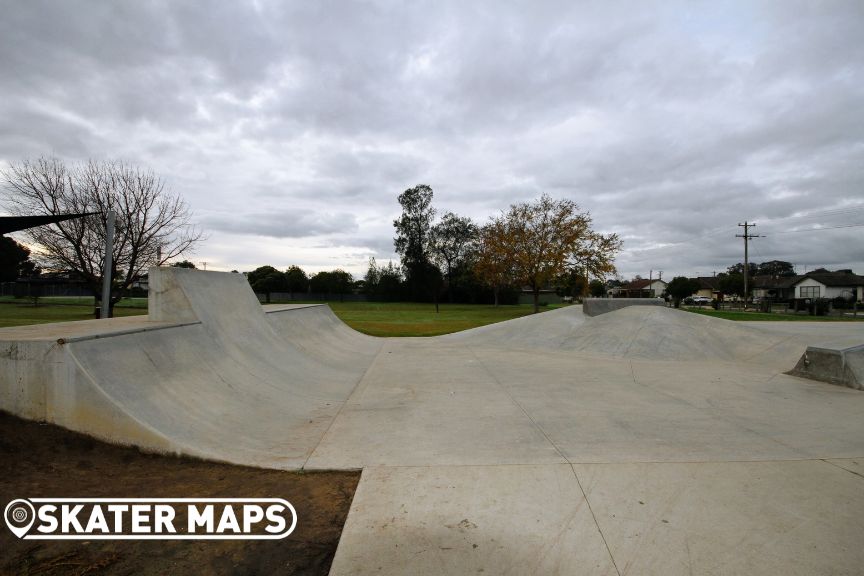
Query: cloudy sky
(291, 127)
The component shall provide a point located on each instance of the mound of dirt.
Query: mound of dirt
(40, 460)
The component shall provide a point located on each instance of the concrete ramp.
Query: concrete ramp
(639, 332)
(209, 374)
(840, 363)
(641, 441)
(597, 306)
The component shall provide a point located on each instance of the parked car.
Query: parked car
(701, 300)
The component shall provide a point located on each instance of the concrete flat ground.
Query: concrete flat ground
(516, 456)
(642, 441)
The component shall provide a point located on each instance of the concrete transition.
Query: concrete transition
(597, 306)
(643, 441)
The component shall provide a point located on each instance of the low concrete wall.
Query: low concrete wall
(835, 365)
(597, 306)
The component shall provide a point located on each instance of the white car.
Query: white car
(701, 300)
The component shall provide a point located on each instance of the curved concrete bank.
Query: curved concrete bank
(209, 374)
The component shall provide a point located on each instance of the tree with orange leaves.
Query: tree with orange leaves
(535, 242)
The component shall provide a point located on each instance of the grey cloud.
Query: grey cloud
(670, 121)
(300, 223)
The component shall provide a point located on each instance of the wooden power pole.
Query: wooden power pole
(747, 236)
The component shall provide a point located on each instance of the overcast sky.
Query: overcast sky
(291, 127)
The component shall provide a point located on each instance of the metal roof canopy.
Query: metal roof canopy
(15, 223)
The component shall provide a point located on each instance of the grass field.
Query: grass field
(773, 317)
(410, 319)
(56, 309)
(375, 318)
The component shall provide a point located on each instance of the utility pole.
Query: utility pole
(747, 236)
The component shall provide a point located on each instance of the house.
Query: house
(778, 288)
(642, 288)
(824, 284)
(709, 287)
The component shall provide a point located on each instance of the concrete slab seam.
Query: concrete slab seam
(776, 344)
(842, 468)
(354, 390)
(518, 405)
(594, 517)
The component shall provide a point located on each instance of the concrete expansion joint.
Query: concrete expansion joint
(358, 386)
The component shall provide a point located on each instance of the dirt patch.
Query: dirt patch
(44, 461)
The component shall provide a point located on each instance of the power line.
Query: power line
(819, 229)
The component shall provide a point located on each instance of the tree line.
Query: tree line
(542, 244)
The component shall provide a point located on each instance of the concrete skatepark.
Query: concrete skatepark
(640, 441)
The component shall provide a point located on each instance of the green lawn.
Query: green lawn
(774, 317)
(375, 318)
(410, 319)
(22, 312)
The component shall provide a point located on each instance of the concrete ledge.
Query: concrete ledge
(597, 306)
(843, 366)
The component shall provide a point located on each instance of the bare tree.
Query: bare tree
(152, 225)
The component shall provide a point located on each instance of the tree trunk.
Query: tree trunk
(536, 300)
(495, 291)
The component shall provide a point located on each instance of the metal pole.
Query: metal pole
(106, 268)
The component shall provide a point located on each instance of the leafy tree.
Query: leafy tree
(296, 280)
(597, 288)
(571, 283)
(383, 282)
(493, 258)
(452, 240)
(681, 287)
(596, 254)
(266, 280)
(739, 269)
(545, 236)
(732, 284)
(15, 261)
(776, 268)
(336, 282)
(413, 240)
(150, 220)
(341, 283)
(184, 264)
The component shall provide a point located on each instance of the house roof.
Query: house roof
(772, 282)
(832, 278)
(641, 284)
(708, 282)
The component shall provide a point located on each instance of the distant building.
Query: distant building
(709, 287)
(642, 289)
(773, 287)
(824, 284)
